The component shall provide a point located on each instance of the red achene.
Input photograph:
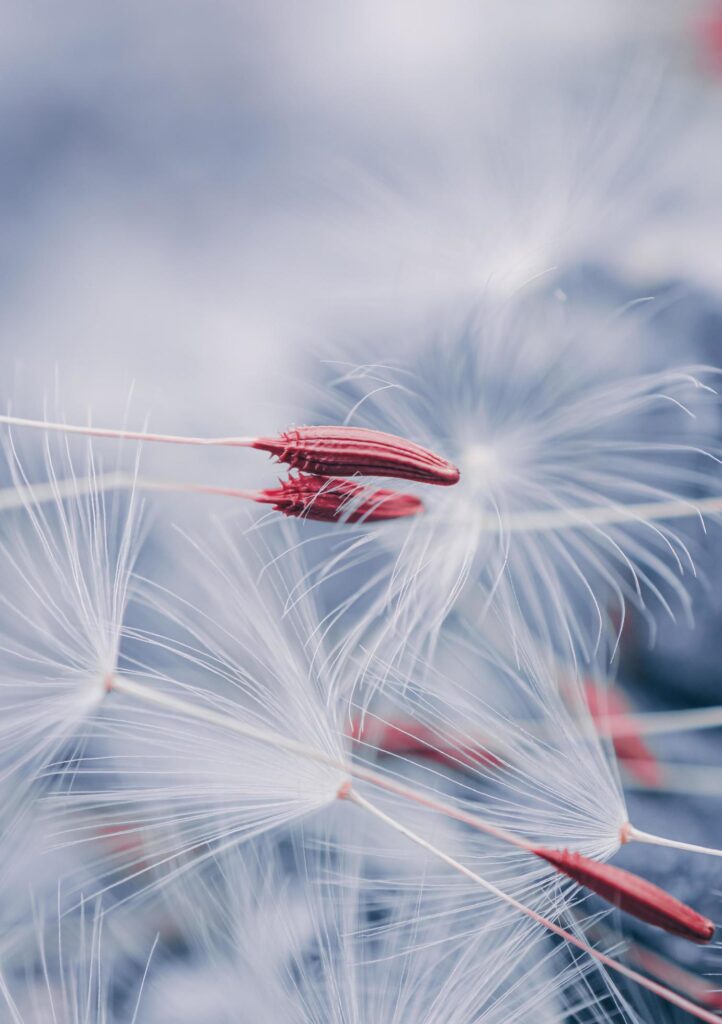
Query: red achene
(632, 894)
(348, 451)
(330, 500)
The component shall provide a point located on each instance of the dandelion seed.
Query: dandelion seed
(672, 997)
(320, 498)
(323, 451)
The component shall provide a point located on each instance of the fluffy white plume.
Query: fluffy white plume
(228, 735)
(566, 448)
(66, 557)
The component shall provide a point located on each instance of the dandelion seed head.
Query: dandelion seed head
(554, 431)
(67, 557)
(245, 741)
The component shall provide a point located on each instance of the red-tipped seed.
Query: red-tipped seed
(347, 451)
(632, 894)
(329, 500)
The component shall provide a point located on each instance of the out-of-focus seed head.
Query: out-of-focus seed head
(329, 500)
(347, 451)
(629, 745)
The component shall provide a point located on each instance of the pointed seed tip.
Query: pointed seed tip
(342, 451)
(632, 894)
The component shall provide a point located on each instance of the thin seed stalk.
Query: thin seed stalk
(122, 684)
(539, 521)
(632, 834)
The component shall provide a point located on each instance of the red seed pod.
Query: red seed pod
(329, 500)
(347, 451)
(632, 894)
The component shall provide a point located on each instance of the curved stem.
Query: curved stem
(632, 834)
(129, 435)
(74, 487)
(229, 492)
(121, 684)
(614, 965)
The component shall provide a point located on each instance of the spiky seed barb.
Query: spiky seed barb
(632, 894)
(330, 501)
(347, 451)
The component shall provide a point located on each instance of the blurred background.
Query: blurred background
(198, 199)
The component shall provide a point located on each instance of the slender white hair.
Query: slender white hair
(66, 975)
(252, 745)
(332, 941)
(66, 566)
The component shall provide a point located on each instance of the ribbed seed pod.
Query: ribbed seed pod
(347, 451)
(330, 500)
